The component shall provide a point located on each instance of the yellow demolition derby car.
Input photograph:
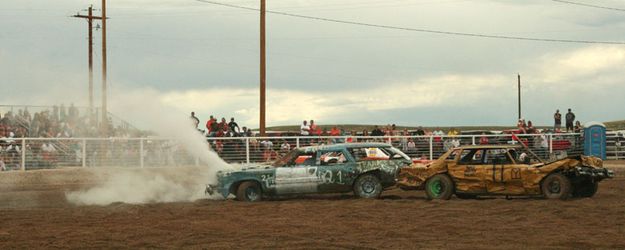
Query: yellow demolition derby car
(509, 170)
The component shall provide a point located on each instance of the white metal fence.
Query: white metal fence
(40, 153)
(615, 145)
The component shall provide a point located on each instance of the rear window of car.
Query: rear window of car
(473, 156)
(368, 154)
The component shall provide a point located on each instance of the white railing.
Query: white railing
(42, 153)
(615, 145)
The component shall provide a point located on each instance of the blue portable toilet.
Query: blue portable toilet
(594, 139)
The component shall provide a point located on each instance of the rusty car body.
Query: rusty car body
(509, 170)
(336, 168)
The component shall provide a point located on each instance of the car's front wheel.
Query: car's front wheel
(368, 186)
(439, 187)
(249, 191)
(556, 186)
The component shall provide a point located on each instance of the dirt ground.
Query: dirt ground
(35, 214)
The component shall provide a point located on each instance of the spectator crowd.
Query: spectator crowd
(54, 122)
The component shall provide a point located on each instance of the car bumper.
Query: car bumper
(596, 173)
(213, 189)
(210, 189)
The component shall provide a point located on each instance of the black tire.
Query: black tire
(439, 187)
(556, 186)
(368, 186)
(466, 196)
(249, 191)
(585, 189)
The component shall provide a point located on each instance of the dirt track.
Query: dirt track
(35, 214)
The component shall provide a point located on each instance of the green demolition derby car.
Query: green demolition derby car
(364, 168)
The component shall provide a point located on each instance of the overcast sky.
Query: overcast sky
(201, 57)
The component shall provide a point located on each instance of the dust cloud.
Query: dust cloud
(137, 186)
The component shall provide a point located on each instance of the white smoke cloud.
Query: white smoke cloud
(143, 105)
(138, 187)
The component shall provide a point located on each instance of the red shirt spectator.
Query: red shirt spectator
(483, 139)
(313, 128)
(335, 131)
(318, 131)
(209, 124)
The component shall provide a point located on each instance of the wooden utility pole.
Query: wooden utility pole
(90, 19)
(262, 67)
(519, 86)
(104, 72)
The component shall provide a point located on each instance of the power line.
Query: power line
(415, 29)
(589, 5)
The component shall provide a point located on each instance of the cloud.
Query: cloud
(291, 106)
(589, 63)
(547, 86)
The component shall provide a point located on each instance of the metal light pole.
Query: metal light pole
(262, 67)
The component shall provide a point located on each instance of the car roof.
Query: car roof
(346, 145)
(506, 146)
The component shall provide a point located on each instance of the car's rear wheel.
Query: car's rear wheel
(556, 186)
(249, 191)
(368, 186)
(586, 189)
(439, 187)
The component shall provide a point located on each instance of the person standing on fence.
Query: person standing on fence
(530, 128)
(578, 127)
(420, 131)
(232, 125)
(209, 127)
(304, 129)
(557, 118)
(335, 131)
(314, 129)
(376, 131)
(570, 118)
(194, 119)
(247, 132)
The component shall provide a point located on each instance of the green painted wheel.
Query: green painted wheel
(435, 188)
(439, 187)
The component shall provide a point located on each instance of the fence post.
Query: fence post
(550, 144)
(431, 147)
(473, 139)
(297, 142)
(84, 153)
(247, 150)
(141, 153)
(23, 165)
